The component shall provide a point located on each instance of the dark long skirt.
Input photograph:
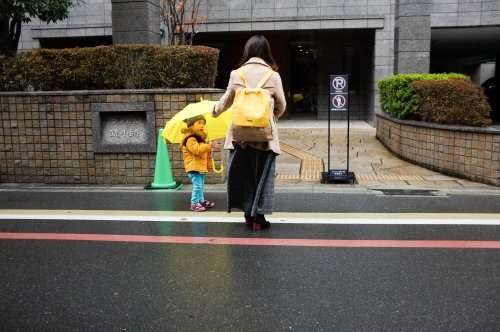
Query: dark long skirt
(250, 181)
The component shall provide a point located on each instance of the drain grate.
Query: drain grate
(408, 192)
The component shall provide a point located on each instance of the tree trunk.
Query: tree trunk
(16, 25)
(10, 32)
(4, 35)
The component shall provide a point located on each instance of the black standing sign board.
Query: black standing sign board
(338, 102)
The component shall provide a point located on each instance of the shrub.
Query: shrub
(452, 101)
(111, 67)
(397, 98)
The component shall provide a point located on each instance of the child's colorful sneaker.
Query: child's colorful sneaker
(207, 204)
(197, 207)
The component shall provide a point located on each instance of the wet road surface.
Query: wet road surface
(109, 270)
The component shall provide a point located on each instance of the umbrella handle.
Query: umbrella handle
(217, 170)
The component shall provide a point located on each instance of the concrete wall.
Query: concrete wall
(136, 21)
(47, 137)
(412, 36)
(471, 153)
(88, 19)
(94, 17)
(459, 13)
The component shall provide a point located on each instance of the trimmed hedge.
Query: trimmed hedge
(110, 67)
(453, 101)
(397, 97)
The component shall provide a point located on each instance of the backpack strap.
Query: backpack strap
(265, 78)
(262, 81)
(240, 72)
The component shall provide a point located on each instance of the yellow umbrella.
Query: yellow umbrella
(215, 127)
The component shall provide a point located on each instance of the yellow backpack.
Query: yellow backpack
(251, 112)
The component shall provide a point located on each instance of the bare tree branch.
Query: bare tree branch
(181, 18)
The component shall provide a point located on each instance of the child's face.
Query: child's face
(199, 126)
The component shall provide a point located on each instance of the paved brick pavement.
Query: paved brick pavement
(305, 156)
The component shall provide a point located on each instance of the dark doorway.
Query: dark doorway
(306, 58)
(304, 73)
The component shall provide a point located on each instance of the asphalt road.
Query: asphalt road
(377, 201)
(128, 261)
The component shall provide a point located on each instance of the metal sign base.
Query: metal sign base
(338, 175)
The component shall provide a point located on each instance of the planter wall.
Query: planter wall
(47, 137)
(471, 153)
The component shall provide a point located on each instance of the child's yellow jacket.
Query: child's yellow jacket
(196, 153)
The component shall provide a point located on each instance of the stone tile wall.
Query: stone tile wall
(456, 13)
(47, 138)
(87, 18)
(412, 44)
(465, 152)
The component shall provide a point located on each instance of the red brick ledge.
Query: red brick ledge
(466, 152)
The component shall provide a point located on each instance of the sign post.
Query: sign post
(338, 102)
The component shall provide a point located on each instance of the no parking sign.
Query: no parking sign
(339, 93)
(339, 102)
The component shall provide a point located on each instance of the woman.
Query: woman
(251, 170)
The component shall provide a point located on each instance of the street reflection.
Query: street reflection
(200, 279)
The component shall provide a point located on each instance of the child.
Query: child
(196, 153)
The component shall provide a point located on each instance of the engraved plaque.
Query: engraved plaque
(124, 127)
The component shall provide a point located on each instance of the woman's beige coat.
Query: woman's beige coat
(254, 69)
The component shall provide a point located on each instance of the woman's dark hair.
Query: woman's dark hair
(258, 46)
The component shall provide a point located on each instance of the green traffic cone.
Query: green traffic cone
(163, 171)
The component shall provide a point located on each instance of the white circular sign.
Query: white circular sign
(338, 101)
(339, 83)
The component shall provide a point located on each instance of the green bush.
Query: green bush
(397, 97)
(452, 101)
(111, 67)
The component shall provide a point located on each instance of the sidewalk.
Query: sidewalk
(305, 156)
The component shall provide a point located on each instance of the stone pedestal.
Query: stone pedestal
(412, 40)
(136, 21)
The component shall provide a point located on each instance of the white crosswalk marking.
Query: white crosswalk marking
(283, 218)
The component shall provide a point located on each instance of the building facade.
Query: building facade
(311, 39)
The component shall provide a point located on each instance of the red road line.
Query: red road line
(255, 241)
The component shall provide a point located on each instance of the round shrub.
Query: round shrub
(452, 101)
(397, 97)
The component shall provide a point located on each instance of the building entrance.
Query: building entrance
(306, 59)
(303, 76)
